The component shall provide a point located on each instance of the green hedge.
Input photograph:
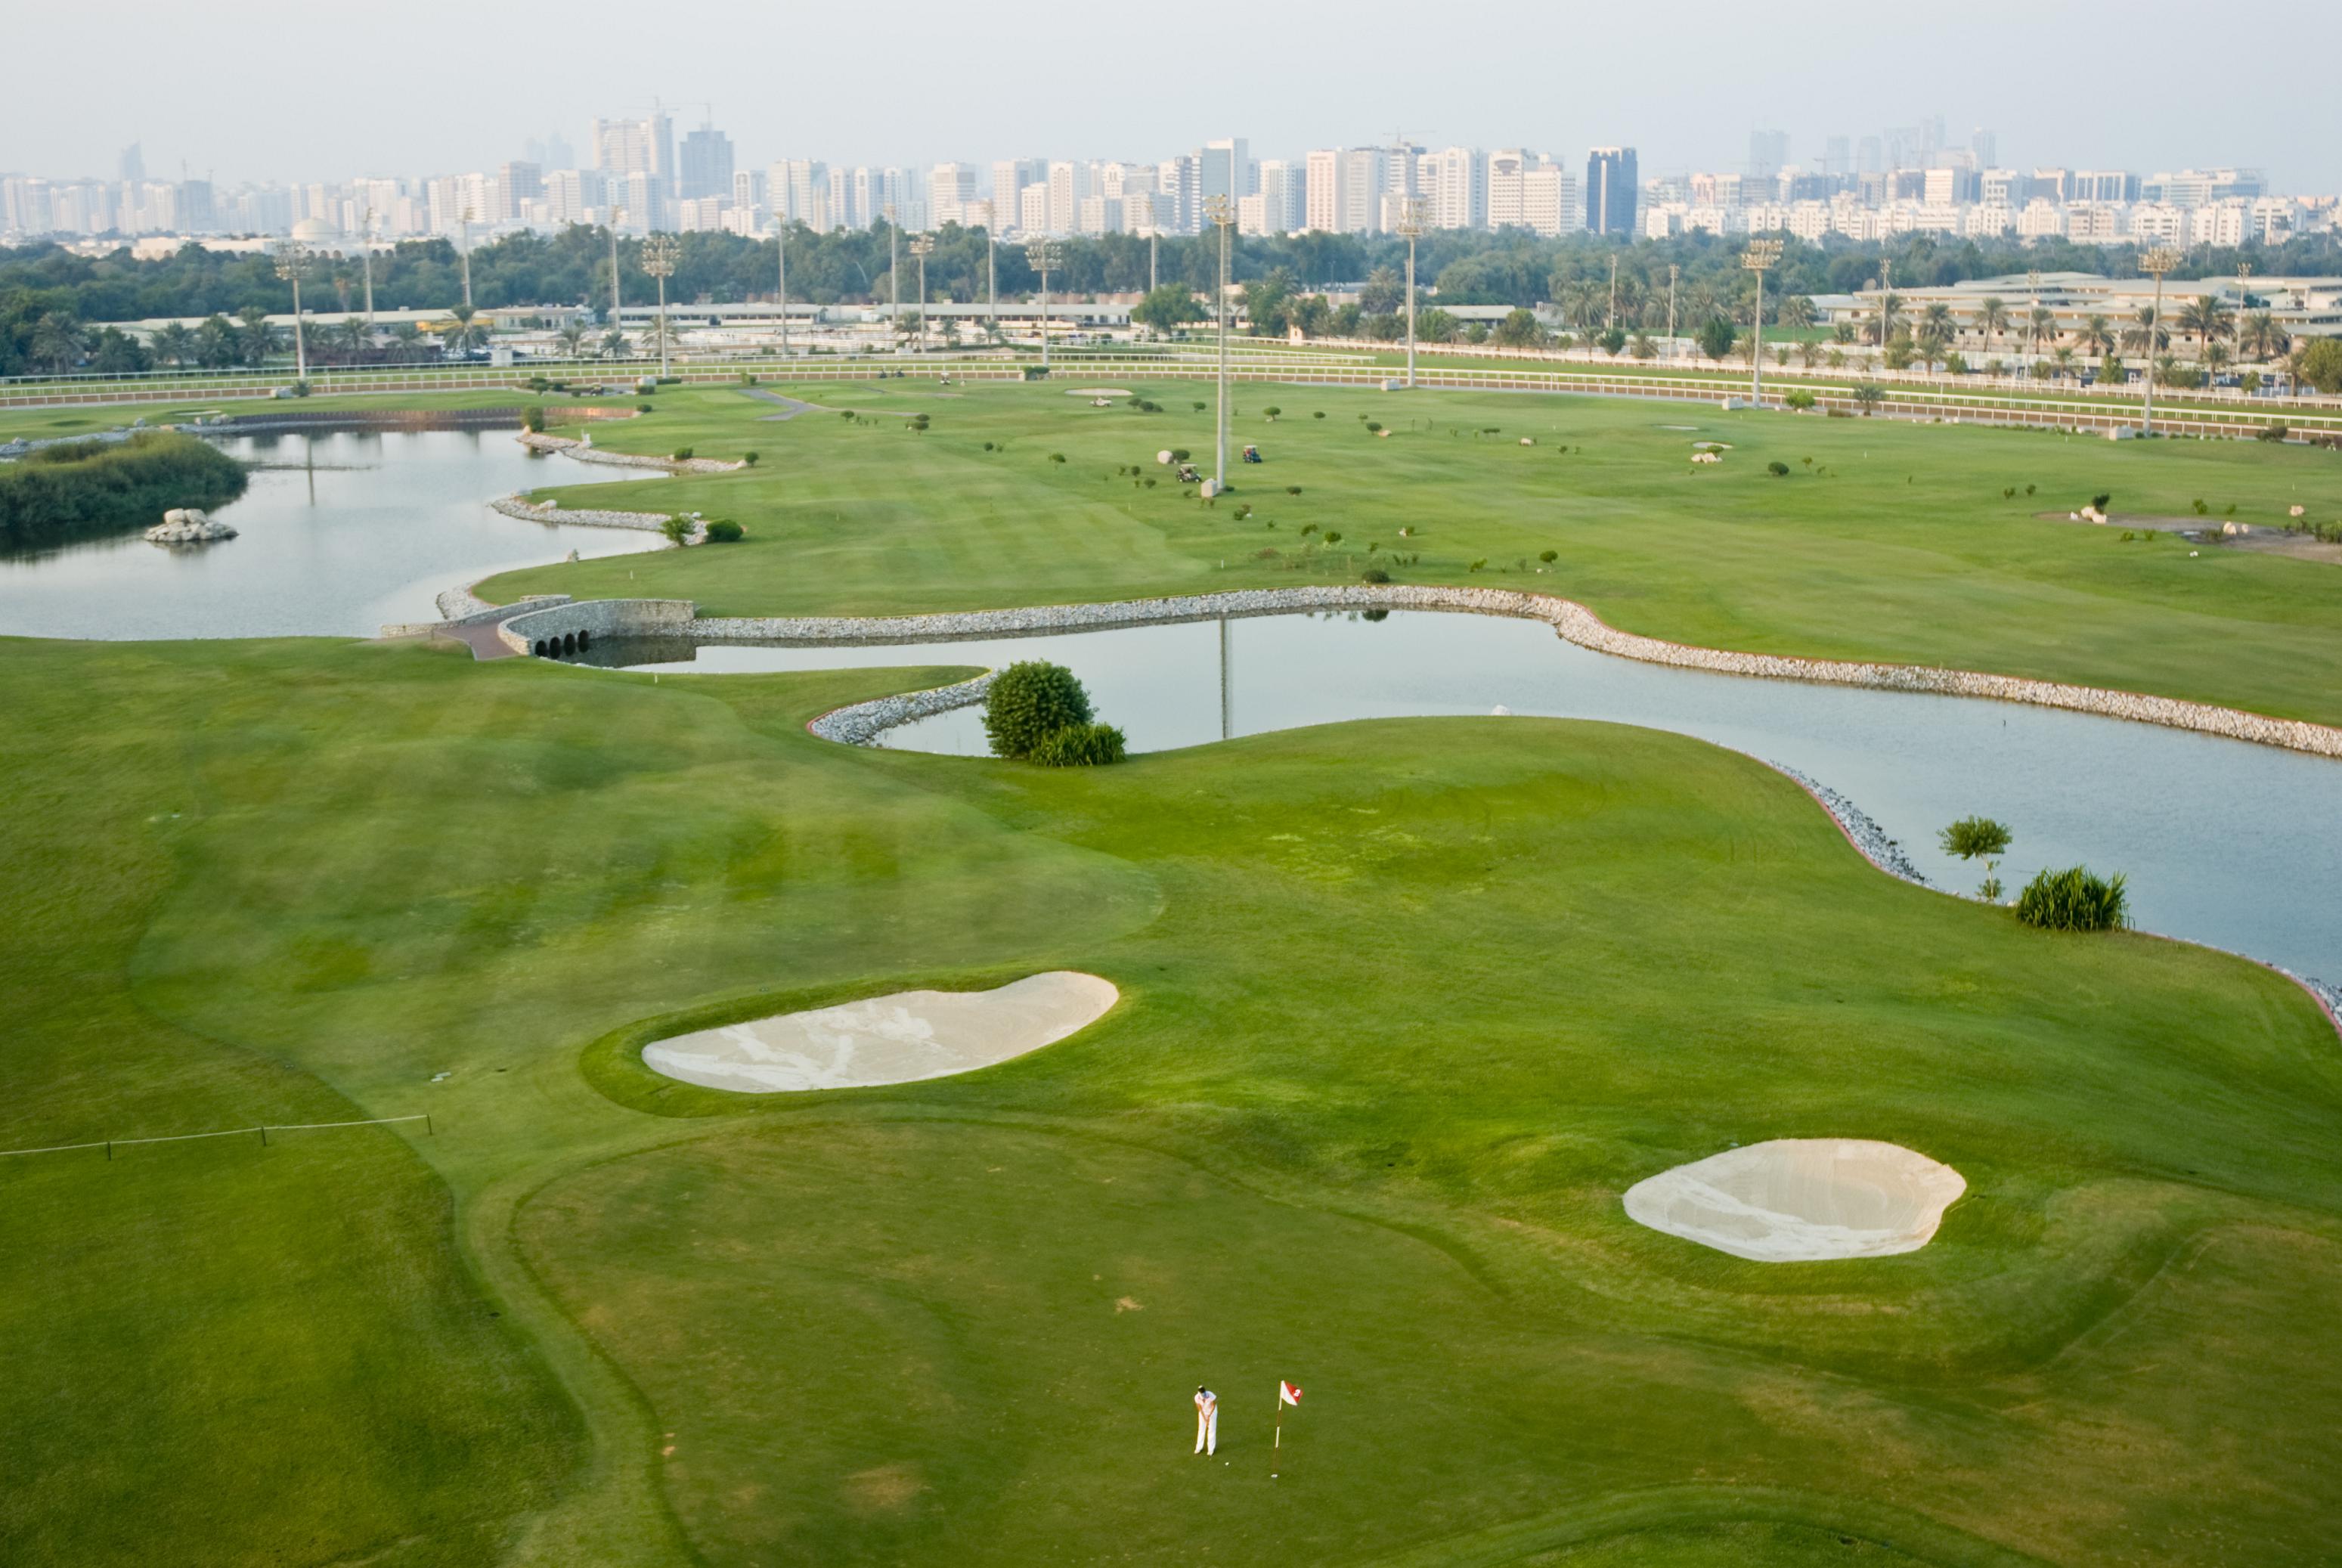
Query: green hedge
(61, 493)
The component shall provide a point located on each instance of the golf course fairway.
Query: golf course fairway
(1405, 1008)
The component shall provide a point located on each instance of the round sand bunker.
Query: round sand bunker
(1795, 1200)
(899, 1038)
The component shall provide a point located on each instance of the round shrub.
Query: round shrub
(1030, 701)
(532, 418)
(724, 531)
(643, 408)
(1374, 574)
(1080, 746)
(2075, 899)
(683, 454)
(1777, 469)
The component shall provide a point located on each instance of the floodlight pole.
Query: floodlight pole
(659, 255)
(2158, 261)
(1041, 253)
(1760, 255)
(922, 247)
(1674, 271)
(781, 245)
(368, 225)
(1222, 212)
(293, 261)
(1154, 241)
(463, 228)
(1410, 225)
(894, 278)
(1612, 324)
(617, 216)
(992, 278)
(2032, 326)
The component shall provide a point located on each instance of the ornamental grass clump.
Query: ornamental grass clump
(2075, 899)
(1038, 712)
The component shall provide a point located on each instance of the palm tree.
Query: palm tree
(2261, 337)
(2149, 336)
(257, 338)
(1992, 315)
(1796, 310)
(614, 345)
(354, 336)
(2215, 357)
(662, 329)
(406, 341)
(2065, 358)
(571, 339)
(58, 341)
(2097, 336)
(2207, 316)
(2044, 322)
(1869, 395)
(1890, 306)
(217, 346)
(1938, 324)
(467, 334)
(1809, 354)
(173, 344)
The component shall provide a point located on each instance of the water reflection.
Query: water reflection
(2236, 845)
(340, 532)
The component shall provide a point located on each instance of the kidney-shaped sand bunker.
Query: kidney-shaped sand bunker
(1795, 1200)
(897, 1038)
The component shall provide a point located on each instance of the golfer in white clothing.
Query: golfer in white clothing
(1207, 1420)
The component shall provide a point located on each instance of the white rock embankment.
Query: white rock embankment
(1570, 619)
(861, 724)
(188, 525)
(521, 506)
(585, 451)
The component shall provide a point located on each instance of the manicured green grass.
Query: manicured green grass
(1895, 543)
(1407, 1006)
(38, 424)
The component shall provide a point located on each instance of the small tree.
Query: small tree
(1716, 336)
(1974, 836)
(1868, 396)
(677, 529)
(1030, 701)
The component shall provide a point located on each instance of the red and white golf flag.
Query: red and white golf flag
(1287, 1394)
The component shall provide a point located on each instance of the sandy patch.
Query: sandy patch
(899, 1038)
(1795, 1200)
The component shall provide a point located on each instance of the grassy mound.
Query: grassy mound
(61, 493)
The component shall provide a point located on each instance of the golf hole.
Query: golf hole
(898, 1038)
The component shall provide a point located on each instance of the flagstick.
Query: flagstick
(1278, 1445)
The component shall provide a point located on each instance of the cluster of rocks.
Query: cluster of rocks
(186, 526)
(1572, 620)
(585, 518)
(1864, 835)
(861, 724)
(585, 451)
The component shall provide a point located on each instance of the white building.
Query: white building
(950, 187)
(1455, 189)
(1323, 195)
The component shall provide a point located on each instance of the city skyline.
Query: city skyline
(2056, 84)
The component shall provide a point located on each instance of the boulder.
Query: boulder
(186, 526)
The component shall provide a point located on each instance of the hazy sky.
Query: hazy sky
(263, 89)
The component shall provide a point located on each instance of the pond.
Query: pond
(340, 534)
(2236, 845)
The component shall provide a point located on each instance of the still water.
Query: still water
(342, 533)
(2235, 845)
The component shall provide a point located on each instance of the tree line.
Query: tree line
(76, 295)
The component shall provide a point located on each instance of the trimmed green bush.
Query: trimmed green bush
(1030, 701)
(1777, 469)
(532, 418)
(66, 491)
(1080, 746)
(2075, 899)
(724, 531)
(678, 529)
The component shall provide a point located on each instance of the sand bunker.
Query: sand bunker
(1799, 1199)
(894, 1039)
